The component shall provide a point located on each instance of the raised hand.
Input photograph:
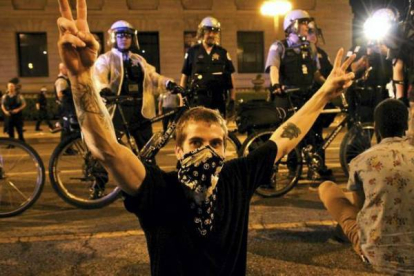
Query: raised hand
(338, 80)
(78, 49)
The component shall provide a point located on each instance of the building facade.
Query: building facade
(166, 27)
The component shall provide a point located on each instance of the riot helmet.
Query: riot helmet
(293, 19)
(122, 28)
(208, 23)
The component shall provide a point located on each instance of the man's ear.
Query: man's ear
(179, 152)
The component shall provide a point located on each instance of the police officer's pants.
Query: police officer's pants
(216, 101)
(15, 121)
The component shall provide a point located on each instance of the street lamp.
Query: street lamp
(275, 8)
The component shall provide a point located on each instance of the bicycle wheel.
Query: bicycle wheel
(78, 178)
(284, 177)
(358, 139)
(233, 146)
(22, 177)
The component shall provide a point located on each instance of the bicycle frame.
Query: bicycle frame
(158, 141)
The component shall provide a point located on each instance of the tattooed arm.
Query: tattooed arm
(78, 50)
(290, 133)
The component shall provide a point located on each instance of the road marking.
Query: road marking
(129, 233)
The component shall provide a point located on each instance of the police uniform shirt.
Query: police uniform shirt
(325, 63)
(12, 102)
(276, 53)
(216, 65)
(61, 83)
(133, 78)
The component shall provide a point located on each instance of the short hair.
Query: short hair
(391, 118)
(198, 114)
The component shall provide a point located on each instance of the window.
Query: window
(149, 48)
(250, 47)
(99, 36)
(32, 51)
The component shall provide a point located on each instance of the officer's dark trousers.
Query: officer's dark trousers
(16, 121)
(42, 115)
(217, 102)
(362, 103)
(139, 127)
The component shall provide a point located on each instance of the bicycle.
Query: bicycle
(286, 173)
(73, 175)
(22, 177)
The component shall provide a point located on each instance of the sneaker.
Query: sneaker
(10, 147)
(38, 129)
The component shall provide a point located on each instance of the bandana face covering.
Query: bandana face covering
(199, 171)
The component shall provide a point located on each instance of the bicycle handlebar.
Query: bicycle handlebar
(120, 99)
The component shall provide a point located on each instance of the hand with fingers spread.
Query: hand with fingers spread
(338, 80)
(78, 49)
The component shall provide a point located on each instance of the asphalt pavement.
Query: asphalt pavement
(291, 235)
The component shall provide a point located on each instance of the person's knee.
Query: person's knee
(325, 190)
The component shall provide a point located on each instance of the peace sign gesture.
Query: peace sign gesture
(338, 80)
(78, 48)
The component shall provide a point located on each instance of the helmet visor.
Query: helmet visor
(305, 21)
(211, 29)
(123, 35)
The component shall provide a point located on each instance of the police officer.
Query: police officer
(120, 71)
(12, 105)
(63, 93)
(292, 64)
(373, 70)
(41, 107)
(210, 67)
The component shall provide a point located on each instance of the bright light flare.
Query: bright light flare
(376, 28)
(274, 8)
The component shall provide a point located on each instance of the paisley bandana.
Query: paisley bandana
(199, 171)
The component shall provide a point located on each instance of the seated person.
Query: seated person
(380, 222)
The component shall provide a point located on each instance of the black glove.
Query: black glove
(275, 88)
(106, 92)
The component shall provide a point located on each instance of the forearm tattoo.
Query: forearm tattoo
(290, 131)
(86, 101)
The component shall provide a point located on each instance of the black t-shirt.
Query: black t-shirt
(174, 245)
(215, 68)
